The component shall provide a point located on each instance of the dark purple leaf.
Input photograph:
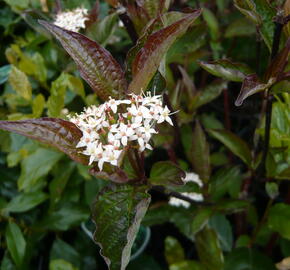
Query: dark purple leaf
(55, 132)
(96, 65)
(277, 66)
(251, 85)
(149, 57)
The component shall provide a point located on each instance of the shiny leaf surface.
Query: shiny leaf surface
(226, 69)
(96, 65)
(149, 57)
(117, 214)
(58, 133)
(234, 143)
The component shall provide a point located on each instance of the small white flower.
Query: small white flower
(108, 130)
(164, 116)
(72, 20)
(192, 177)
(139, 113)
(198, 197)
(178, 202)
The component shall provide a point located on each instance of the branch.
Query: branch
(279, 23)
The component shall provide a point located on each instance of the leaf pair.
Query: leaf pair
(241, 73)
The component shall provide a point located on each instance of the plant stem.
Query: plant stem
(133, 163)
(58, 6)
(129, 27)
(269, 99)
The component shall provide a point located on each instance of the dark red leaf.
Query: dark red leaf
(250, 86)
(55, 132)
(97, 66)
(277, 66)
(149, 57)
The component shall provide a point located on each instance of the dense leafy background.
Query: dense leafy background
(45, 198)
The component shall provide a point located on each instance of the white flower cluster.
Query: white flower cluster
(72, 20)
(111, 127)
(189, 177)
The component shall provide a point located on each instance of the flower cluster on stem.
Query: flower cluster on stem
(109, 129)
(72, 20)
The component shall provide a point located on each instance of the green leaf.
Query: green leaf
(212, 23)
(262, 14)
(55, 102)
(187, 265)
(102, 30)
(117, 214)
(225, 181)
(272, 189)
(6, 263)
(76, 85)
(96, 65)
(240, 27)
(200, 219)
(18, 5)
(224, 231)
(63, 219)
(173, 251)
(226, 69)
(234, 143)
(36, 166)
(61, 264)
(16, 243)
(25, 202)
(249, 10)
(150, 56)
(208, 94)
(62, 250)
(248, 259)
(208, 249)
(4, 73)
(166, 173)
(58, 133)
(279, 219)
(200, 154)
(58, 184)
(38, 104)
(20, 83)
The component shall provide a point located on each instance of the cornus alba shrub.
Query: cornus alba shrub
(112, 137)
(109, 129)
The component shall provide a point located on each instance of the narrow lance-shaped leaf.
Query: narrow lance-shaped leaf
(234, 143)
(97, 66)
(117, 214)
(58, 133)
(150, 56)
(209, 250)
(16, 243)
(200, 154)
(226, 69)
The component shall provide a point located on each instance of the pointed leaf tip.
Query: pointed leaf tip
(96, 65)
